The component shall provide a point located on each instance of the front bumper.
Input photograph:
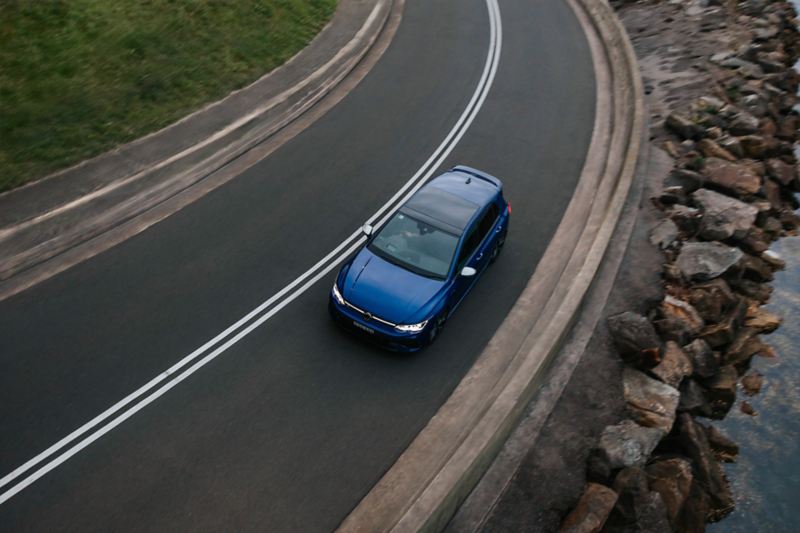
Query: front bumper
(374, 331)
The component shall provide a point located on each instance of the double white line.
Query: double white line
(61, 451)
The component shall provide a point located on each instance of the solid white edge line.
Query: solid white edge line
(443, 150)
(167, 386)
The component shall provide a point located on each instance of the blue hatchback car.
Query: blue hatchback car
(402, 285)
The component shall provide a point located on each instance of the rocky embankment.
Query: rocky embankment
(729, 195)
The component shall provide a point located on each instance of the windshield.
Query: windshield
(415, 245)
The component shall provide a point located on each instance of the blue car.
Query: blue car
(408, 278)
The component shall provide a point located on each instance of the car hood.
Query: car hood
(386, 290)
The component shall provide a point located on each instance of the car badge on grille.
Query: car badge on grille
(367, 316)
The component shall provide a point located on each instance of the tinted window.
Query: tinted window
(487, 221)
(415, 245)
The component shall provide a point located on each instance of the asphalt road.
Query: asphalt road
(292, 425)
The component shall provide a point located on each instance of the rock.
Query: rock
(743, 123)
(755, 242)
(696, 510)
(688, 219)
(722, 387)
(674, 365)
(721, 444)
(753, 145)
(754, 268)
(687, 178)
(678, 321)
(723, 216)
(592, 510)
(637, 508)
(724, 331)
(704, 364)
(762, 320)
(693, 399)
(710, 148)
(628, 444)
(710, 104)
(747, 409)
(752, 289)
(774, 260)
(703, 261)
(709, 474)
(632, 333)
(745, 68)
(672, 479)
(664, 234)
(683, 127)
(772, 190)
(712, 299)
(732, 146)
(740, 179)
(675, 194)
(741, 348)
(752, 382)
(650, 402)
(783, 173)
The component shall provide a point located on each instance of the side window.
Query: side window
(471, 242)
(487, 221)
(477, 233)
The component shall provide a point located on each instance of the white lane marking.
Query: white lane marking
(417, 180)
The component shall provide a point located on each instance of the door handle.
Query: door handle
(480, 256)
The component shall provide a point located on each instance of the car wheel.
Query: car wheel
(498, 248)
(437, 328)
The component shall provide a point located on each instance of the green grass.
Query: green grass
(78, 77)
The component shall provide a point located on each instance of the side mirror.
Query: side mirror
(468, 272)
(367, 229)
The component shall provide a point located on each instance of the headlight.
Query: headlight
(411, 328)
(337, 295)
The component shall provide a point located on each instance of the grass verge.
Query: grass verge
(78, 77)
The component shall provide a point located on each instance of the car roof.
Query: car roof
(450, 201)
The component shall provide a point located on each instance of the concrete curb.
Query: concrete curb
(437, 471)
(49, 218)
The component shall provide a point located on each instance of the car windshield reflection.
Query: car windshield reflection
(416, 246)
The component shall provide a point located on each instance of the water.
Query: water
(765, 479)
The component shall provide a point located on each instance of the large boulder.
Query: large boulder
(738, 178)
(674, 365)
(709, 473)
(723, 216)
(632, 334)
(628, 444)
(592, 510)
(704, 261)
(672, 479)
(678, 321)
(650, 402)
(704, 363)
(723, 332)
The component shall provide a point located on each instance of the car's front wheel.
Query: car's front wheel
(437, 328)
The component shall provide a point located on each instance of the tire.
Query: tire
(437, 328)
